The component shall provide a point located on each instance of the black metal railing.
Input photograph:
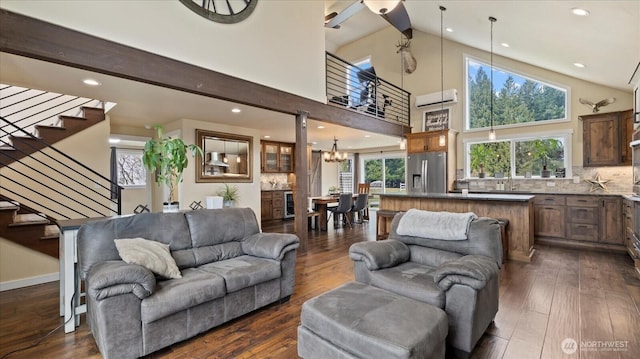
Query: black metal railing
(27, 108)
(360, 89)
(53, 182)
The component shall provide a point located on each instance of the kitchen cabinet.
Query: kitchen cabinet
(587, 219)
(271, 205)
(632, 243)
(428, 141)
(549, 214)
(276, 157)
(606, 138)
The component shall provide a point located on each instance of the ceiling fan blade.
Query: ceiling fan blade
(342, 16)
(399, 18)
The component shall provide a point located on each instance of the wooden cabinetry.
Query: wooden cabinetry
(549, 216)
(271, 205)
(276, 157)
(583, 219)
(631, 241)
(428, 141)
(606, 138)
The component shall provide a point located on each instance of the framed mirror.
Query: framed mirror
(227, 157)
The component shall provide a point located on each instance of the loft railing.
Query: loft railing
(360, 89)
(54, 183)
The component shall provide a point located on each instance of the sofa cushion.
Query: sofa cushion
(411, 280)
(214, 226)
(171, 296)
(154, 256)
(244, 271)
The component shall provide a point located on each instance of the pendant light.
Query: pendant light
(238, 160)
(334, 155)
(492, 132)
(442, 140)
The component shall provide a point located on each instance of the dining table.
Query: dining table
(321, 203)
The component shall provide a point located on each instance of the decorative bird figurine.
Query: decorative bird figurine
(596, 106)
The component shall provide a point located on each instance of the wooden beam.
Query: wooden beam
(29, 37)
(302, 181)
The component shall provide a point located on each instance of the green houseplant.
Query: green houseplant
(479, 155)
(229, 195)
(167, 157)
(542, 149)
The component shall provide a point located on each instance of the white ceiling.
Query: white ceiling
(543, 33)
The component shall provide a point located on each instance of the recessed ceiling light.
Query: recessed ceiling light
(580, 12)
(321, 127)
(449, 29)
(577, 64)
(267, 136)
(314, 143)
(236, 110)
(91, 82)
(114, 140)
(504, 44)
(367, 136)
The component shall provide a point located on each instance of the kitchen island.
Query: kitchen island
(518, 209)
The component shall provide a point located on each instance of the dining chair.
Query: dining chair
(365, 188)
(360, 206)
(343, 208)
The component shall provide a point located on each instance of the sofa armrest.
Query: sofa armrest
(111, 278)
(270, 245)
(381, 254)
(471, 270)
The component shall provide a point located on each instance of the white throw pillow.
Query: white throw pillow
(154, 256)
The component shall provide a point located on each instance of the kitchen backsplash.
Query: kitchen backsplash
(620, 182)
(276, 181)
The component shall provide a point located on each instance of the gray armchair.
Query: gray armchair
(459, 276)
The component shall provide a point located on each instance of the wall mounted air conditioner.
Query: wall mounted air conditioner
(437, 98)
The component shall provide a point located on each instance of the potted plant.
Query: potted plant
(167, 158)
(542, 149)
(229, 194)
(479, 155)
(334, 190)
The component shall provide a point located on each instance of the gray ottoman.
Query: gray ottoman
(361, 321)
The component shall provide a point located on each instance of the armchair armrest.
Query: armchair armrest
(381, 254)
(471, 270)
(270, 245)
(111, 278)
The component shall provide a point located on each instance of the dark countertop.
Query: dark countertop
(506, 197)
(631, 197)
(605, 194)
(275, 190)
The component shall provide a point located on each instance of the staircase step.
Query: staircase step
(8, 206)
(29, 219)
(51, 232)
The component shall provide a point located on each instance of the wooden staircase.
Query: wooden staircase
(28, 228)
(23, 145)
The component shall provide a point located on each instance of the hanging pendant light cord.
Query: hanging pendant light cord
(492, 19)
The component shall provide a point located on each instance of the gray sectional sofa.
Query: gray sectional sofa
(228, 268)
(459, 276)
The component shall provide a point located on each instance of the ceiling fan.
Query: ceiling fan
(393, 11)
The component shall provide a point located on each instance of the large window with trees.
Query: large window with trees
(517, 99)
(530, 156)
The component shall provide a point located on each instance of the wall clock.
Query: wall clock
(223, 11)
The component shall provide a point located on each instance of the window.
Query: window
(131, 172)
(345, 176)
(519, 157)
(517, 99)
(385, 174)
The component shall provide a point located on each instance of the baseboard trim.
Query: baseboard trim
(27, 282)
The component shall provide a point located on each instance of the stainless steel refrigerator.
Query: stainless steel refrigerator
(427, 172)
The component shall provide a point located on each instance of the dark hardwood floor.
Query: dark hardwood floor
(591, 297)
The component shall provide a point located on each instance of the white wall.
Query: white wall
(281, 45)
(381, 46)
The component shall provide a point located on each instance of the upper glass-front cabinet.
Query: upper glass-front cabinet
(277, 157)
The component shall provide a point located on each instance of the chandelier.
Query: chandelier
(334, 155)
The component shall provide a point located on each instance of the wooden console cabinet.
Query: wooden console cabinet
(271, 205)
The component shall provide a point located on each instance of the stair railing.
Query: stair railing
(52, 180)
(38, 107)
